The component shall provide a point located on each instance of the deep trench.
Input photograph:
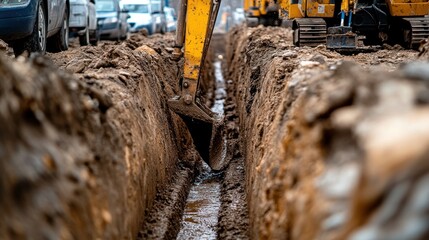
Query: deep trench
(200, 217)
(200, 203)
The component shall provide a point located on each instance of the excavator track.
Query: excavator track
(418, 31)
(309, 32)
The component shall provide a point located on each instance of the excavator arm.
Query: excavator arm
(196, 21)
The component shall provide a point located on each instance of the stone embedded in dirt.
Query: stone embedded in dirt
(148, 50)
(318, 58)
(289, 54)
(424, 49)
(144, 32)
(3, 46)
(76, 66)
(309, 63)
(417, 70)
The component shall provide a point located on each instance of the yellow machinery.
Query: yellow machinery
(195, 24)
(264, 12)
(348, 24)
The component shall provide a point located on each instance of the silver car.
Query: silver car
(83, 21)
(111, 20)
(170, 17)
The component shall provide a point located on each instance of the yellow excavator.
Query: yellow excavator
(348, 24)
(265, 12)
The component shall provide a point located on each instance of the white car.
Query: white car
(112, 20)
(83, 21)
(158, 16)
(145, 14)
(170, 17)
(140, 15)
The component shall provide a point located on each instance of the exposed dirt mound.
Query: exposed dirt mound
(424, 50)
(333, 149)
(83, 158)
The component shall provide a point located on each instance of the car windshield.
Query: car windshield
(105, 6)
(156, 7)
(137, 8)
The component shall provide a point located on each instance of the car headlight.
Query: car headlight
(158, 19)
(111, 20)
(13, 2)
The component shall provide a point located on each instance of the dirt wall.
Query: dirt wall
(82, 156)
(334, 149)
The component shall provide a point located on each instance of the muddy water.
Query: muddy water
(200, 217)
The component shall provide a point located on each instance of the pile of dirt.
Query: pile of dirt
(83, 155)
(334, 149)
(424, 50)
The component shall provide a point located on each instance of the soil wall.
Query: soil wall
(83, 156)
(333, 149)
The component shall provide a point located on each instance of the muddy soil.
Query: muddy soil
(214, 207)
(320, 145)
(84, 154)
(335, 147)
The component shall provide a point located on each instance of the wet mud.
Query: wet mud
(200, 217)
(320, 145)
(215, 207)
(331, 143)
(85, 148)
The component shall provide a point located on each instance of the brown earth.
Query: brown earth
(321, 145)
(335, 147)
(83, 155)
(233, 213)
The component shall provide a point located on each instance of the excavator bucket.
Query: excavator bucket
(195, 26)
(206, 129)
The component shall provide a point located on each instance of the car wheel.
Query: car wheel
(163, 29)
(118, 37)
(84, 38)
(36, 42)
(60, 41)
(94, 38)
(124, 37)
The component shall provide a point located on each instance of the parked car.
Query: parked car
(145, 14)
(83, 21)
(140, 15)
(158, 16)
(170, 17)
(111, 20)
(35, 25)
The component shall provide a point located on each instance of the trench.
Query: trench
(201, 214)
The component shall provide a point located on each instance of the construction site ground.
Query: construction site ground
(320, 145)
